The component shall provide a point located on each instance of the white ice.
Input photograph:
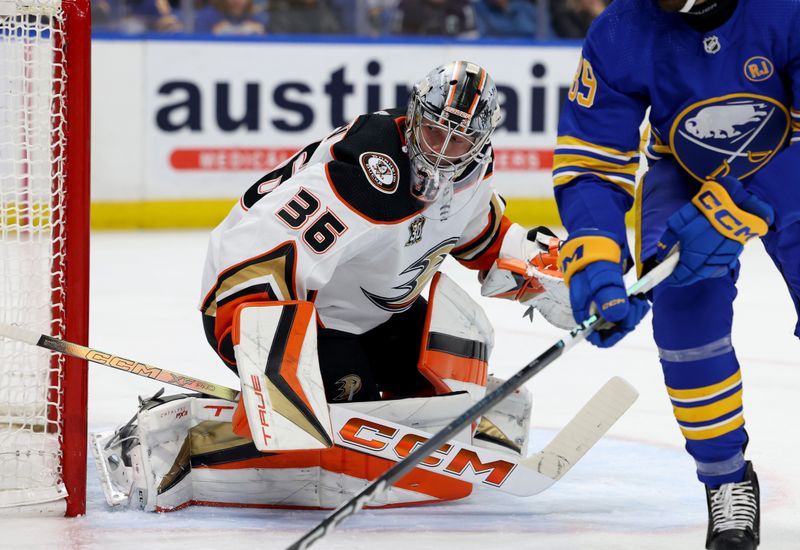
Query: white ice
(636, 489)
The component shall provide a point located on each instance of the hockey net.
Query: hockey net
(44, 202)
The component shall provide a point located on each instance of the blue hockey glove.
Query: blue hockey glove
(591, 261)
(712, 230)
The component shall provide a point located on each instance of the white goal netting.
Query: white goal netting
(32, 232)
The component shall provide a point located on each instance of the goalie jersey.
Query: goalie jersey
(336, 224)
(723, 102)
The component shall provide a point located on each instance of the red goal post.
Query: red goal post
(44, 251)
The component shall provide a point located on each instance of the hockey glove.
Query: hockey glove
(591, 261)
(712, 230)
(527, 271)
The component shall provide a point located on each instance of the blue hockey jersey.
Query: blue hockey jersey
(722, 102)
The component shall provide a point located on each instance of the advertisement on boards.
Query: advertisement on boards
(218, 115)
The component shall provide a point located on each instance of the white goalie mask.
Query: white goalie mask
(451, 115)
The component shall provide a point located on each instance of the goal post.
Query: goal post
(44, 251)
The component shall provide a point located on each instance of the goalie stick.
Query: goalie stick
(476, 465)
(379, 484)
(109, 360)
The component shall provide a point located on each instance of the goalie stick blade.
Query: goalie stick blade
(483, 467)
(584, 430)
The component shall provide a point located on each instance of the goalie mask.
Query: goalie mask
(451, 116)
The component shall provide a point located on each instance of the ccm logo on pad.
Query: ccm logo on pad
(364, 433)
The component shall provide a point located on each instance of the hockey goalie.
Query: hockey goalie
(313, 296)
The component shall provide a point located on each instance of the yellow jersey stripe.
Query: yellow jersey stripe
(564, 161)
(707, 392)
(716, 430)
(711, 411)
(576, 143)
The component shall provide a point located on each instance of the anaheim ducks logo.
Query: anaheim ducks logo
(731, 135)
(348, 386)
(422, 271)
(381, 171)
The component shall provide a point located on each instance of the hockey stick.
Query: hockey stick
(390, 476)
(101, 358)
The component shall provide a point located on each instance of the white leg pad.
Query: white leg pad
(506, 426)
(166, 460)
(276, 355)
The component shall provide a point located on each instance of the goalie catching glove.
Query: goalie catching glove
(526, 270)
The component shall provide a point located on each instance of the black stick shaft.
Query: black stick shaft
(401, 468)
(379, 484)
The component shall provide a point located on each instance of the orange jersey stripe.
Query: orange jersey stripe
(485, 260)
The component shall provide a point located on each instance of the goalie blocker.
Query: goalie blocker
(187, 450)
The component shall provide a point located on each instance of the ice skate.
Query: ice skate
(734, 514)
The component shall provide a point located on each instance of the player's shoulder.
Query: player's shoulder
(625, 37)
(625, 20)
(778, 14)
(369, 170)
(769, 6)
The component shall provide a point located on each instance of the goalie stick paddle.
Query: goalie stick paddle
(390, 476)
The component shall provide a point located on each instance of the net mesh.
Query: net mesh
(32, 199)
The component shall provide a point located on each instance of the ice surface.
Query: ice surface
(635, 489)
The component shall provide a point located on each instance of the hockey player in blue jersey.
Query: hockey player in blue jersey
(721, 80)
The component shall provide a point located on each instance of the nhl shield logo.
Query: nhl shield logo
(731, 135)
(711, 44)
(381, 171)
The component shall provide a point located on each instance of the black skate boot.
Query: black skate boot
(734, 514)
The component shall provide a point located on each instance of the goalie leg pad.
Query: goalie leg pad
(275, 344)
(456, 341)
(181, 451)
(146, 463)
(506, 426)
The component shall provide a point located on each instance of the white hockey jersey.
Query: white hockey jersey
(336, 224)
